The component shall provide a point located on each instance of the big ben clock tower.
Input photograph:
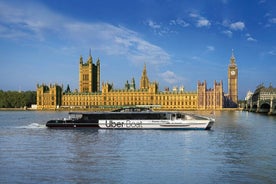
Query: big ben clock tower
(233, 81)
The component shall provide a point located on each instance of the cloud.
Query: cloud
(179, 22)
(234, 26)
(250, 38)
(237, 26)
(203, 23)
(200, 20)
(195, 58)
(164, 28)
(228, 33)
(210, 48)
(272, 52)
(170, 77)
(17, 22)
(158, 28)
(153, 25)
(272, 20)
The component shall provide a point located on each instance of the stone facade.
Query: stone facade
(210, 98)
(89, 76)
(262, 100)
(90, 96)
(147, 95)
(48, 97)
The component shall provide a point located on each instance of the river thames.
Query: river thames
(240, 148)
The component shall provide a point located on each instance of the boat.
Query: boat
(134, 118)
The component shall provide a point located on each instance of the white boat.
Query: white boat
(135, 118)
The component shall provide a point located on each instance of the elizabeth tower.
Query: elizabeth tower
(233, 81)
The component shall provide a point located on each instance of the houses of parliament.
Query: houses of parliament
(91, 96)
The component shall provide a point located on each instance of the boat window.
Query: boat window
(172, 116)
(84, 117)
(75, 116)
(189, 117)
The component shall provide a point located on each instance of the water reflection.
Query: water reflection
(240, 147)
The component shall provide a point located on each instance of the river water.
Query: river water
(240, 148)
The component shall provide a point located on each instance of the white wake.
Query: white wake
(32, 126)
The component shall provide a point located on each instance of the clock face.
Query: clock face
(233, 72)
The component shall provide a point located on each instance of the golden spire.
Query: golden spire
(144, 82)
(145, 70)
(233, 58)
(90, 60)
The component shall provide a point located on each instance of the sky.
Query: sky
(180, 41)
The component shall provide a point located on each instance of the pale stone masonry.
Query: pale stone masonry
(90, 96)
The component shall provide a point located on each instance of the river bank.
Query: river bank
(13, 109)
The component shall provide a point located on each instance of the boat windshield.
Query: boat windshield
(184, 116)
(75, 116)
(133, 109)
(178, 116)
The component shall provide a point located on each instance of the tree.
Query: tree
(15, 99)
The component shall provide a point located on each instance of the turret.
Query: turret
(81, 60)
(233, 59)
(89, 75)
(90, 60)
(144, 82)
(132, 84)
(98, 74)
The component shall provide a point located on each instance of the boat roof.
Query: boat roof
(129, 112)
(134, 110)
(123, 109)
(117, 112)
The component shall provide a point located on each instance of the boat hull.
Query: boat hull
(70, 124)
(134, 124)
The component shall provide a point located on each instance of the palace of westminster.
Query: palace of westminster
(91, 97)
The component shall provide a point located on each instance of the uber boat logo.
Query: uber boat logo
(120, 124)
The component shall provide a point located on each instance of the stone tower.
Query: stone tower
(89, 75)
(48, 97)
(211, 98)
(144, 81)
(233, 82)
